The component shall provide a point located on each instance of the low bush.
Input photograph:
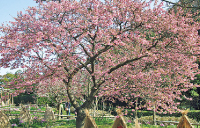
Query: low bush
(24, 98)
(43, 101)
(192, 114)
(35, 123)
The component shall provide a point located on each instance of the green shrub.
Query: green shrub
(44, 100)
(192, 114)
(102, 121)
(24, 98)
(14, 121)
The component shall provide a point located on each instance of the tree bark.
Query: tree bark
(80, 118)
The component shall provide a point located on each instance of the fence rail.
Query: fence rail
(175, 123)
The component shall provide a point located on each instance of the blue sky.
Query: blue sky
(9, 8)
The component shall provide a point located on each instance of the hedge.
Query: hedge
(193, 114)
(24, 98)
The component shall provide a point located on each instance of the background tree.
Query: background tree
(192, 6)
(54, 90)
(109, 42)
(8, 77)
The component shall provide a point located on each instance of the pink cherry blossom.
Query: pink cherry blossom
(116, 49)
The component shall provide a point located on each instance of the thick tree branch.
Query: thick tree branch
(94, 91)
(71, 75)
(85, 50)
(153, 46)
(90, 72)
(69, 92)
(125, 63)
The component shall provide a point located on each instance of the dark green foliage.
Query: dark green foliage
(44, 100)
(197, 80)
(103, 121)
(14, 121)
(24, 98)
(193, 114)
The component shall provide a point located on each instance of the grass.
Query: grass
(158, 126)
(101, 123)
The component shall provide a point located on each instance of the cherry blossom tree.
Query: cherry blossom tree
(125, 48)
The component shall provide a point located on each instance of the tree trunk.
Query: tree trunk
(95, 107)
(80, 118)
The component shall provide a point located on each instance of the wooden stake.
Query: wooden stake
(137, 125)
(184, 121)
(119, 122)
(89, 121)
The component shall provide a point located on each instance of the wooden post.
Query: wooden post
(97, 100)
(1, 95)
(8, 98)
(5, 98)
(59, 112)
(12, 100)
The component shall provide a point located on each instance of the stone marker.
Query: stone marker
(49, 114)
(2, 103)
(25, 115)
(8, 102)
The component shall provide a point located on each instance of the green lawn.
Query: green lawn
(101, 123)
